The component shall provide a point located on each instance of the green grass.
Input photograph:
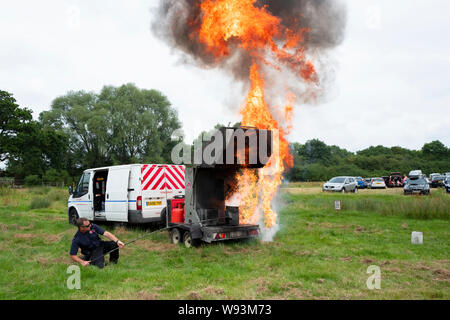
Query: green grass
(436, 206)
(39, 203)
(316, 254)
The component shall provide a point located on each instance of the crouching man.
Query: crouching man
(92, 247)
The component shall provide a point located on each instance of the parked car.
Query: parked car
(416, 185)
(368, 180)
(437, 181)
(362, 184)
(377, 183)
(433, 175)
(341, 184)
(395, 180)
(447, 184)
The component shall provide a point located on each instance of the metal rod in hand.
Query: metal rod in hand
(146, 235)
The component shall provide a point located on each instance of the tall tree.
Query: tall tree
(435, 149)
(316, 151)
(13, 120)
(119, 125)
(37, 150)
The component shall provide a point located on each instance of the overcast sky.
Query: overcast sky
(392, 70)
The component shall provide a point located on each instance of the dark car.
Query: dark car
(437, 181)
(447, 184)
(395, 180)
(416, 186)
(386, 180)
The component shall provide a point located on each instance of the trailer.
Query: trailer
(202, 214)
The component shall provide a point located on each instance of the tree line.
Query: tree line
(316, 161)
(125, 124)
(82, 130)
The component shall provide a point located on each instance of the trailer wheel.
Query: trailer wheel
(73, 216)
(175, 236)
(188, 241)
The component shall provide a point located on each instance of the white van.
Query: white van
(135, 193)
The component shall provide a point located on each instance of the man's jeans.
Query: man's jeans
(96, 256)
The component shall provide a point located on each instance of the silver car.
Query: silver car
(341, 184)
(377, 183)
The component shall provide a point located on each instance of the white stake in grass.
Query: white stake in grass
(416, 237)
(337, 205)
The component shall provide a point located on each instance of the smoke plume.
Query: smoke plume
(177, 21)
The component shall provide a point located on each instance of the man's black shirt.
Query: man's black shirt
(86, 241)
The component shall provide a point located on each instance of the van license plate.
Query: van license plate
(154, 203)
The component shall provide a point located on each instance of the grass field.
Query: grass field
(316, 254)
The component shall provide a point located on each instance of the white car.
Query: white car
(377, 183)
(341, 184)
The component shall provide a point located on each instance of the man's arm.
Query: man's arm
(79, 260)
(74, 251)
(112, 237)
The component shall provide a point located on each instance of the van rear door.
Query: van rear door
(153, 183)
(116, 205)
(160, 182)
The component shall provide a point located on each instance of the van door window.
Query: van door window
(83, 185)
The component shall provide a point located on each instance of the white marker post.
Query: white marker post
(416, 237)
(337, 205)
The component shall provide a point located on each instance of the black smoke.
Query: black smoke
(326, 19)
(175, 21)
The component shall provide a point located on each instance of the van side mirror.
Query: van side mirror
(70, 190)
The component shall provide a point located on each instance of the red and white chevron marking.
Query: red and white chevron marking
(162, 177)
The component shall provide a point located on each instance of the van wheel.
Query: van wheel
(188, 241)
(356, 190)
(343, 190)
(73, 216)
(175, 236)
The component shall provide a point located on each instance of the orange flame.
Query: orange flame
(229, 25)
